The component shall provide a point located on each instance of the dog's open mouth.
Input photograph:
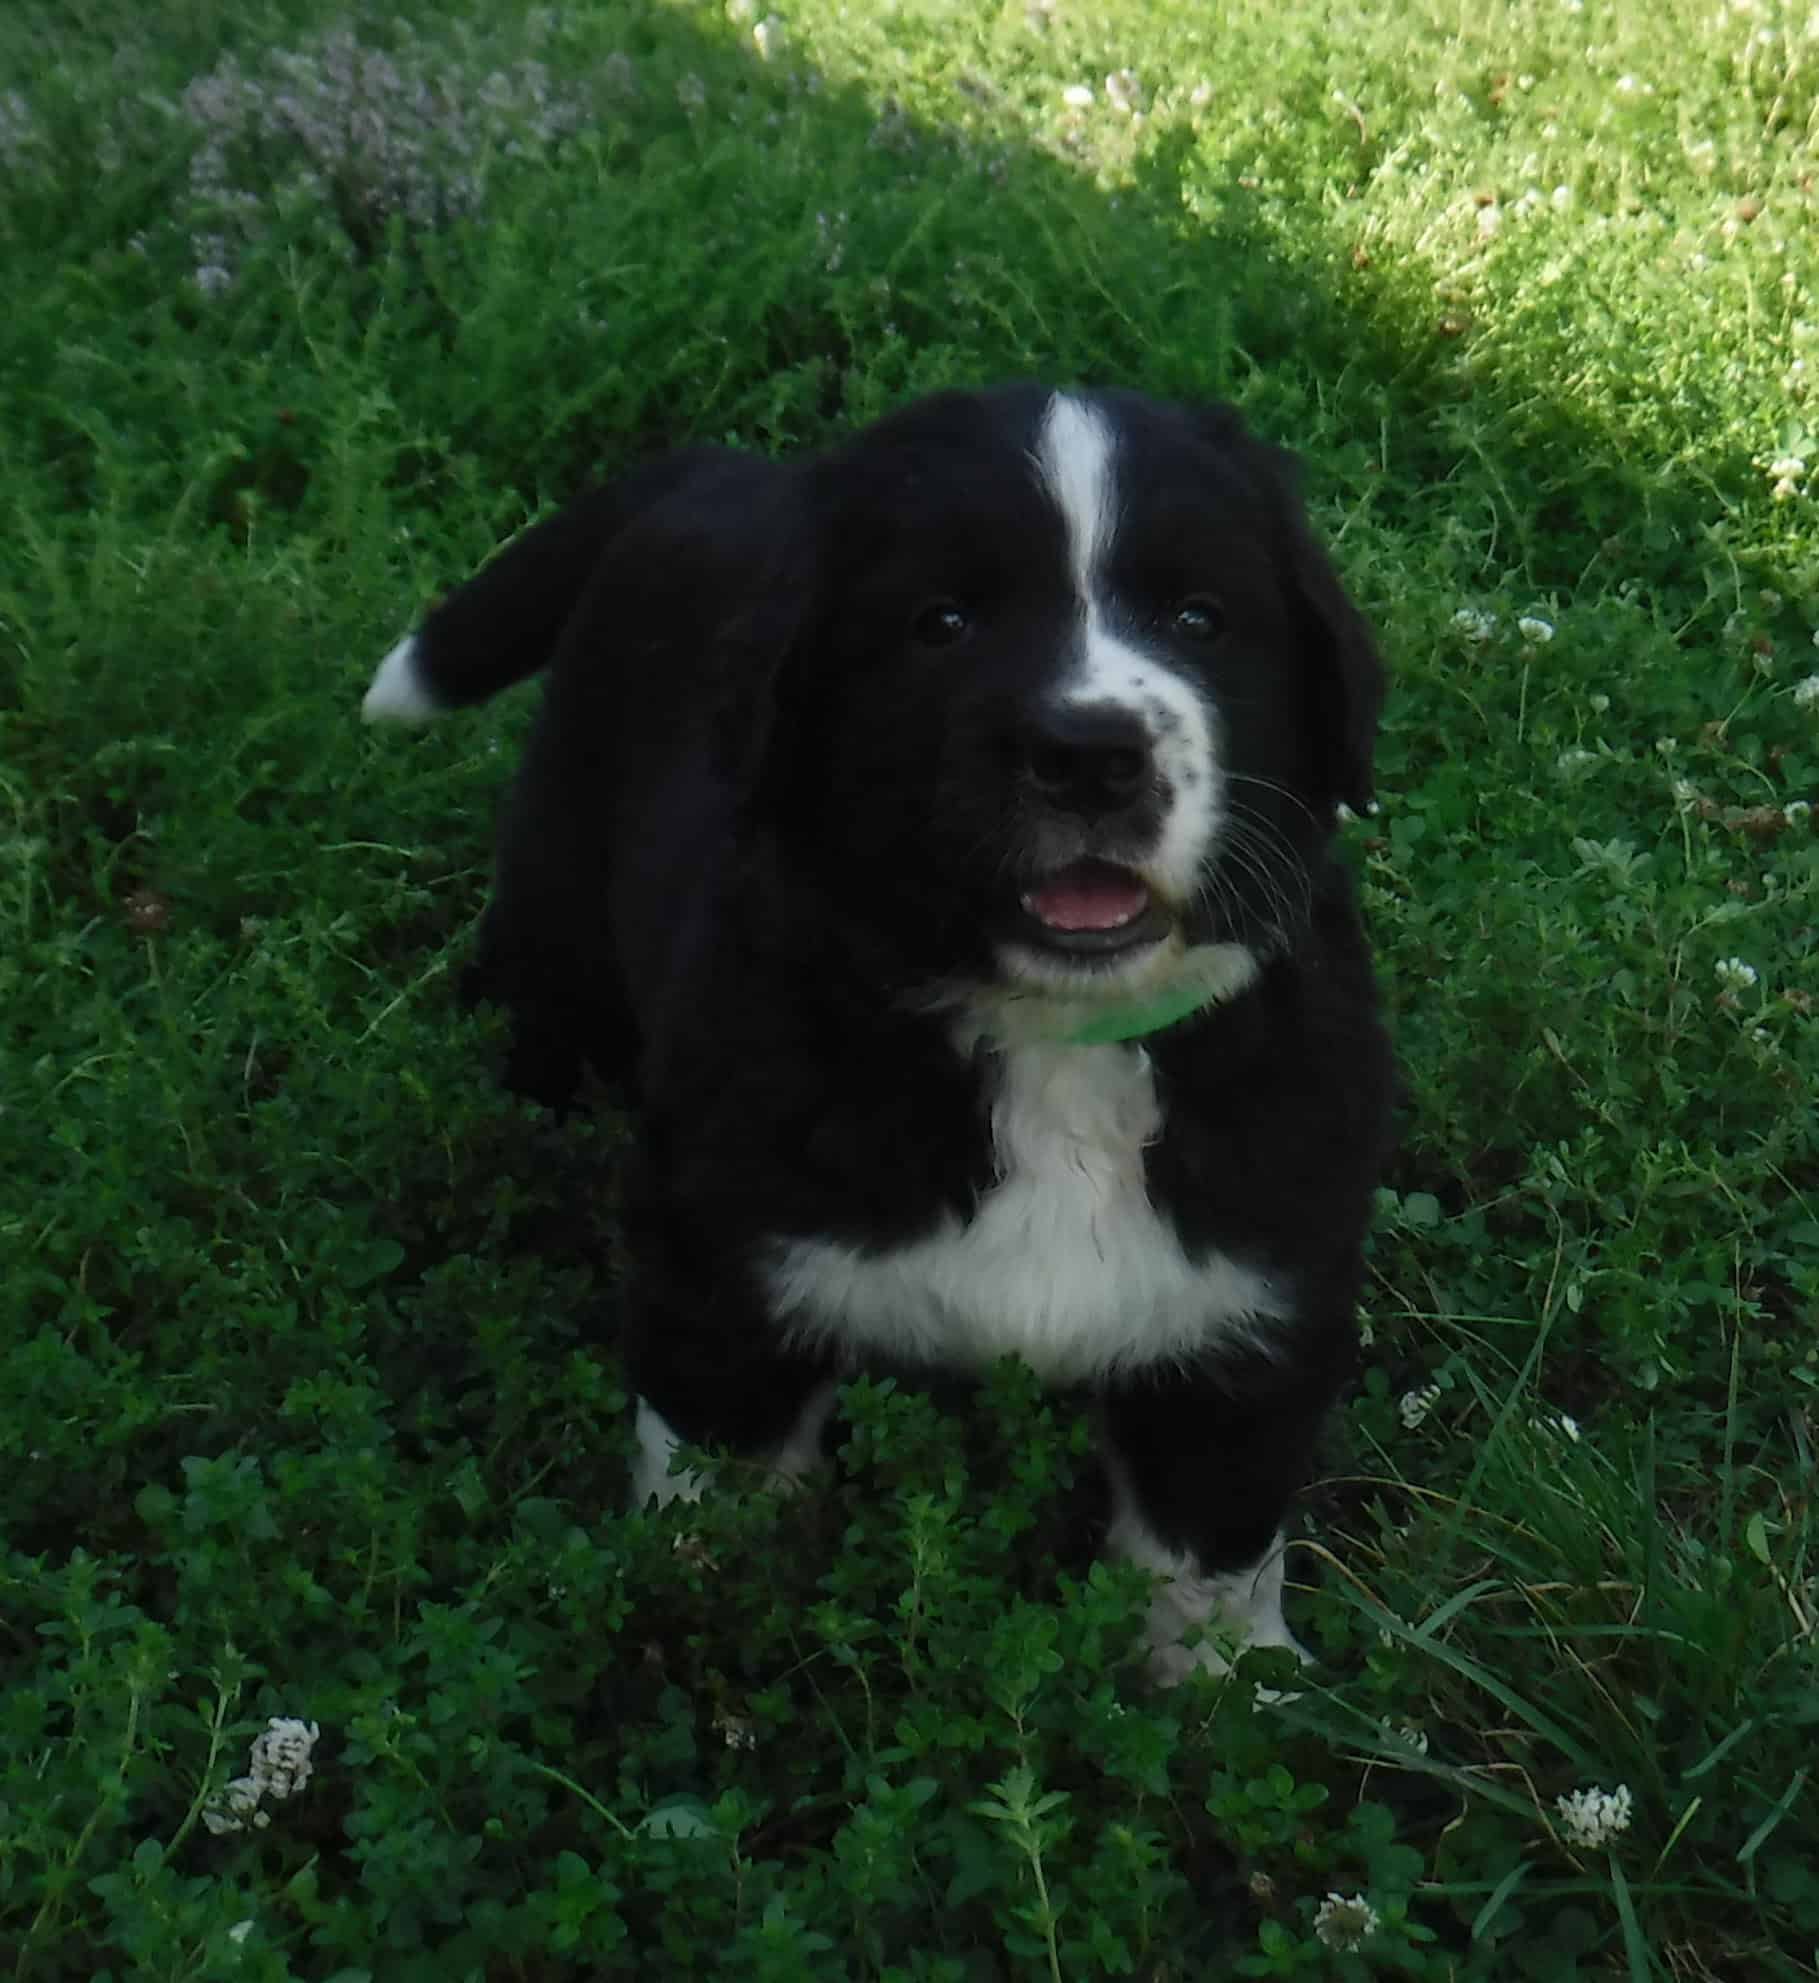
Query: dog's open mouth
(1093, 908)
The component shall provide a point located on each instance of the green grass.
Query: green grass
(311, 1407)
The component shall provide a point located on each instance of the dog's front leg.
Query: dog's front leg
(710, 1369)
(1203, 1469)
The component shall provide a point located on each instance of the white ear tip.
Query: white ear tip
(397, 694)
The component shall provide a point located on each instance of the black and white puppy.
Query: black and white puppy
(933, 838)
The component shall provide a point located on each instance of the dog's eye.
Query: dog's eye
(1199, 617)
(941, 623)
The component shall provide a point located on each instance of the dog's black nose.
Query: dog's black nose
(1087, 758)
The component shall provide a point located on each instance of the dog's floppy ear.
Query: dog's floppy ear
(767, 567)
(1347, 674)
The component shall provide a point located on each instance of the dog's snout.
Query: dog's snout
(1087, 758)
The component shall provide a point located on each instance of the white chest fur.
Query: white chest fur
(1064, 1263)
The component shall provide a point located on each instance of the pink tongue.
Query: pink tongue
(1089, 901)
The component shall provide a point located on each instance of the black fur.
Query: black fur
(771, 827)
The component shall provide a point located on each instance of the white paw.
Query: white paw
(651, 1476)
(1233, 1609)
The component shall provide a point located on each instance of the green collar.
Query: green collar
(1132, 1022)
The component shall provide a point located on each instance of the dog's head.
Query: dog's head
(1068, 698)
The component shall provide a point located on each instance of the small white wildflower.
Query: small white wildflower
(1562, 1423)
(1537, 630)
(1785, 490)
(235, 1806)
(1806, 693)
(1345, 1923)
(1077, 96)
(281, 1755)
(1415, 1405)
(1594, 1817)
(1475, 624)
(1734, 974)
(1405, 1735)
(1575, 760)
(240, 1930)
(1598, 704)
(1626, 84)
(1797, 812)
(736, 1731)
(1563, 198)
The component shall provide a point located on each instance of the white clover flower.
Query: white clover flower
(281, 1756)
(1415, 1405)
(1538, 630)
(1077, 96)
(1575, 760)
(1475, 624)
(1345, 1923)
(1594, 1817)
(1598, 704)
(235, 1806)
(240, 1930)
(1734, 974)
(1563, 1423)
(1797, 812)
(1787, 467)
(1785, 490)
(1806, 693)
(736, 1731)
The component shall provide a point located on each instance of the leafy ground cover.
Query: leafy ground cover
(311, 1415)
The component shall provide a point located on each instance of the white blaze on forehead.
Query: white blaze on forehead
(1074, 454)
